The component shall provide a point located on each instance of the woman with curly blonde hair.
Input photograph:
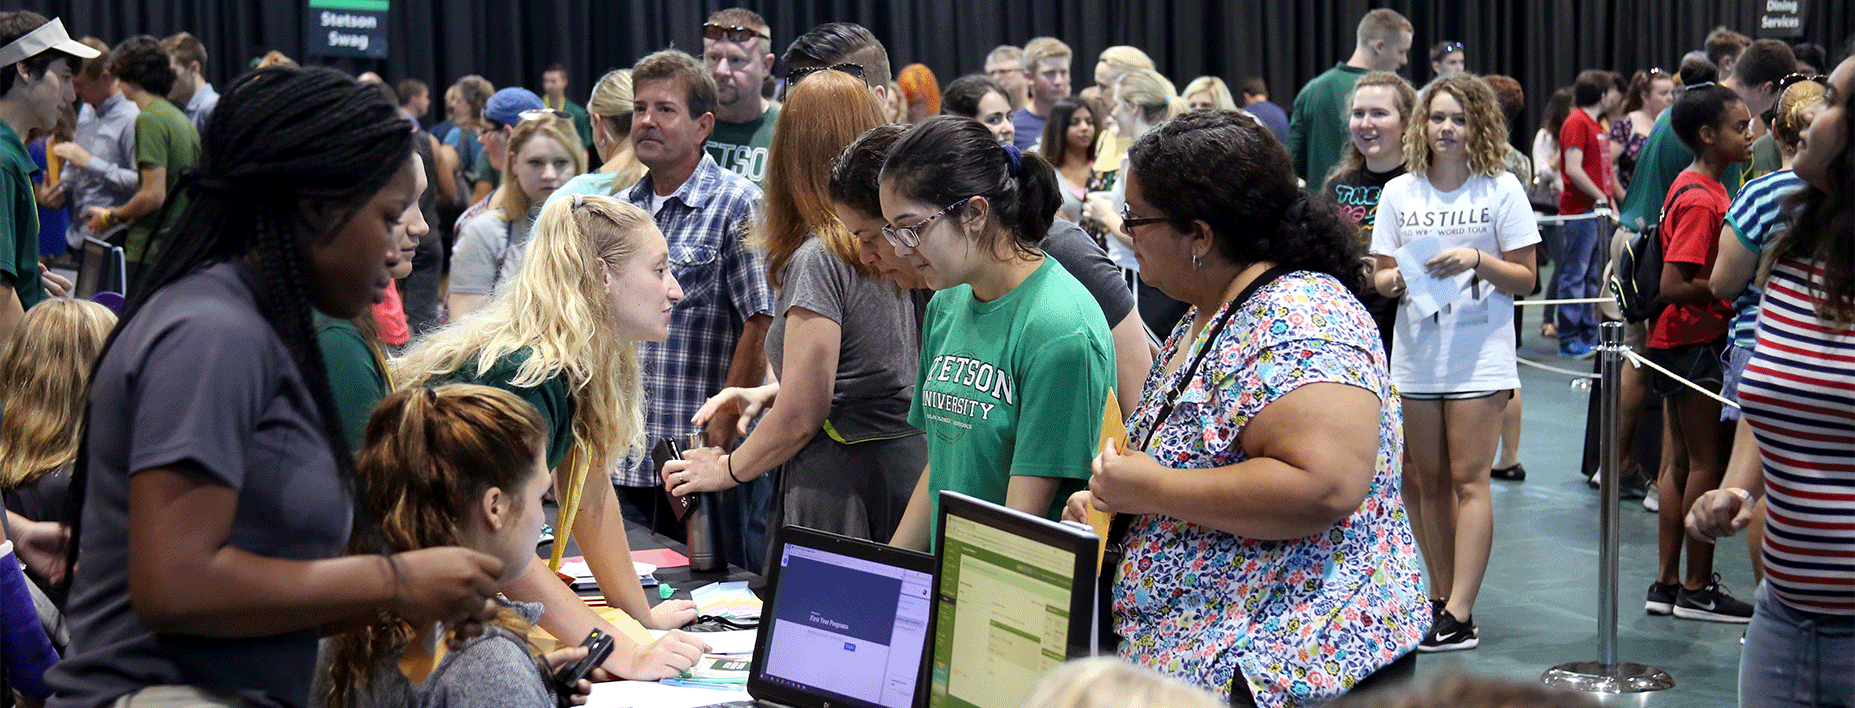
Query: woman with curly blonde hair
(1453, 356)
(562, 335)
(44, 384)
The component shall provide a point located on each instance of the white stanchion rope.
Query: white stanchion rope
(1600, 213)
(1556, 370)
(1570, 301)
(1638, 360)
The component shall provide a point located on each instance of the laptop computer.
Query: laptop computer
(847, 624)
(1015, 597)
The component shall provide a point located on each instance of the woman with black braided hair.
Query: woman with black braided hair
(216, 486)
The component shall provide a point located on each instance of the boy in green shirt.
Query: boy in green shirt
(166, 145)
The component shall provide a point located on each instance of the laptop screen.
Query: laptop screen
(846, 629)
(1015, 600)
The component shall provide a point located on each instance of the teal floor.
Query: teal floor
(1538, 605)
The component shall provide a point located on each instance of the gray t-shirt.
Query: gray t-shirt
(1083, 258)
(198, 377)
(488, 252)
(875, 374)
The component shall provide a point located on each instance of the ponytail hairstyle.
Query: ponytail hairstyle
(945, 159)
(1225, 169)
(281, 138)
(44, 384)
(430, 456)
(1155, 96)
(1821, 217)
(556, 308)
(1793, 103)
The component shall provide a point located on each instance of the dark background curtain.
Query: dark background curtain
(1543, 43)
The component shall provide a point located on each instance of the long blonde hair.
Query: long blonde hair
(823, 115)
(514, 202)
(430, 455)
(1402, 94)
(1106, 682)
(1487, 129)
(556, 308)
(44, 384)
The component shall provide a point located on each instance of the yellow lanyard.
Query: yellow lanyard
(569, 508)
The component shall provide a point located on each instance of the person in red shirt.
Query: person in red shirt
(1687, 339)
(1585, 153)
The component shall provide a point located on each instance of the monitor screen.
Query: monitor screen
(1015, 599)
(846, 629)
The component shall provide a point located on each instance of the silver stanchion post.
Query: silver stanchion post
(1606, 674)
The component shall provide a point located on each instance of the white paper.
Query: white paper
(1427, 294)
(650, 694)
(734, 641)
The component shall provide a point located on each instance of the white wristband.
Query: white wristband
(1741, 493)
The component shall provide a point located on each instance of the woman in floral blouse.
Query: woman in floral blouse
(1269, 558)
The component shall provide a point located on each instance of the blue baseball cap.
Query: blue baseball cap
(507, 105)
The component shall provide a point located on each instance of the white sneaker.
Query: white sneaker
(1652, 500)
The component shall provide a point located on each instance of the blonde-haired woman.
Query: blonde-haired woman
(562, 335)
(544, 153)
(1104, 682)
(1142, 98)
(1207, 93)
(44, 373)
(619, 168)
(839, 433)
(1454, 366)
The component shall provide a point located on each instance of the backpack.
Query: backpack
(1636, 279)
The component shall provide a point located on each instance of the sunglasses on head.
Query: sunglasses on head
(732, 33)
(1790, 79)
(794, 76)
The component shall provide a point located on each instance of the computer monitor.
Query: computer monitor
(100, 269)
(847, 624)
(1014, 597)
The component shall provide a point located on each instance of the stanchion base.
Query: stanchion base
(1598, 677)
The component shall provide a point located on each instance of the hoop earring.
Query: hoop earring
(1197, 261)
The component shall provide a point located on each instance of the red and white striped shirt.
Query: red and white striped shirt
(1799, 397)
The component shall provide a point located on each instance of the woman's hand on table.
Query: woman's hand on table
(671, 614)
(700, 470)
(1122, 483)
(670, 655)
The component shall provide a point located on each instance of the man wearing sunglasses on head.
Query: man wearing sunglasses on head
(839, 46)
(738, 51)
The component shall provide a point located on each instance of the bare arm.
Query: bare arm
(599, 529)
(185, 579)
(569, 619)
(1574, 170)
(912, 531)
(11, 312)
(1386, 278)
(149, 198)
(1133, 358)
(1312, 456)
(461, 304)
(1735, 266)
(1722, 512)
(1685, 284)
(480, 189)
(811, 351)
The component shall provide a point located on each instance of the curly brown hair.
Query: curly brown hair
(1487, 139)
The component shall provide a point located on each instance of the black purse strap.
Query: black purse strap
(1120, 524)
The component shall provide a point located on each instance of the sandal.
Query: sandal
(1516, 473)
(1548, 330)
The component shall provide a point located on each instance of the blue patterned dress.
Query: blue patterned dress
(1300, 621)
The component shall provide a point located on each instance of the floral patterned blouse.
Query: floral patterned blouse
(1623, 132)
(1300, 621)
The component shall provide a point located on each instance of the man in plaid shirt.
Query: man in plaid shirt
(718, 331)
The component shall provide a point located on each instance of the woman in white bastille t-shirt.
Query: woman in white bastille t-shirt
(1454, 368)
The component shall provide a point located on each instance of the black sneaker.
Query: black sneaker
(1711, 604)
(1661, 598)
(1436, 608)
(1635, 485)
(1450, 635)
(1516, 473)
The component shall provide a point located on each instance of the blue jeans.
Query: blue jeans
(1796, 658)
(1580, 263)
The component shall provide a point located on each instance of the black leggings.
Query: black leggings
(1392, 674)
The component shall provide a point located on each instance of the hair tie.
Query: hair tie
(1296, 211)
(1015, 157)
(579, 200)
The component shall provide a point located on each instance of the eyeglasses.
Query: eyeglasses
(1129, 222)
(1790, 79)
(794, 76)
(910, 236)
(732, 33)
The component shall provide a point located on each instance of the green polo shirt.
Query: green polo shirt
(19, 248)
(163, 136)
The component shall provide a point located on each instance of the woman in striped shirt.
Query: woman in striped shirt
(1798, 394)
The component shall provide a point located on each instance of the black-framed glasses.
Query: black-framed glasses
(794, 76)
(733, 33)
(1129, 222)
(910, 236)
(1792, 79)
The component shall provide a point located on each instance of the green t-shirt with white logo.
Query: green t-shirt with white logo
(741, 148)
(1014, 386)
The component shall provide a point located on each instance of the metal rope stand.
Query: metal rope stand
(1606, 674)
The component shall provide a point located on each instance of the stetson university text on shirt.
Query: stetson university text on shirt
(987, 384)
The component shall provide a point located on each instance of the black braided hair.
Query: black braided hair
(280, 137)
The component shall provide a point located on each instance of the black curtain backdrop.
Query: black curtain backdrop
(1543, 43)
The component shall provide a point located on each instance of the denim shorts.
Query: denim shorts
(1699, 363)
(1736, 360)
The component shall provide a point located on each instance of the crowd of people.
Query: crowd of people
(355, 353)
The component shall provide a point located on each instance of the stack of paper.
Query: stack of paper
(575, 571)
(731, 600)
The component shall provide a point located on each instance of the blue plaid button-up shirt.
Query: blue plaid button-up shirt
(724, 283)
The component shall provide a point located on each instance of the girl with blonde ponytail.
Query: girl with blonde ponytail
(562, 335)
